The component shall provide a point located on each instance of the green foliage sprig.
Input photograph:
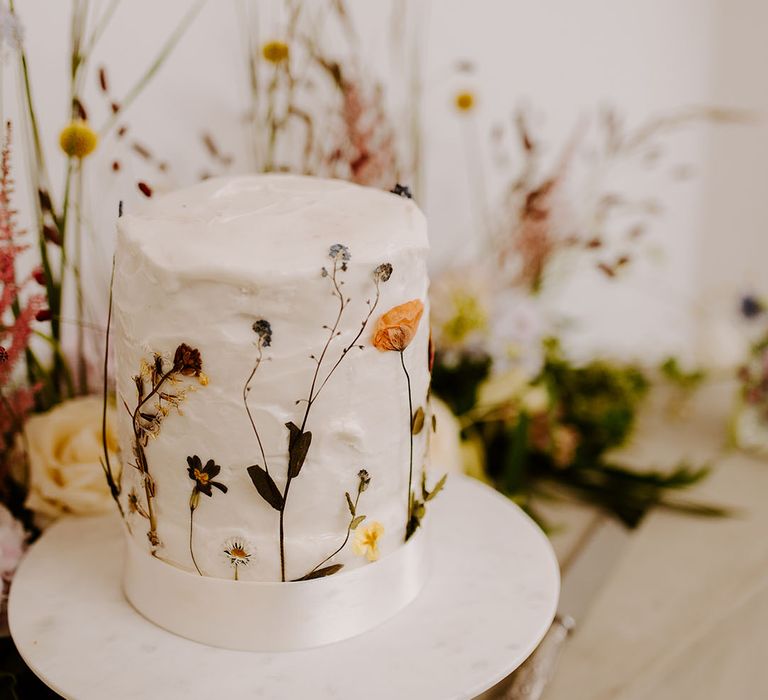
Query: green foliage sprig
(592, 410)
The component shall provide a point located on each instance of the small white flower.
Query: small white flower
(536, 400)
(238, 551)
(517, 329)
(460, 310)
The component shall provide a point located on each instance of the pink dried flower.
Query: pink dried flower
(366, 147)
(14, 336)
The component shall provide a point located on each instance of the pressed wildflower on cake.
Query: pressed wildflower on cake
(238, 553)
(187, 361)
(366, 541)
(396, 329)
(203, 477)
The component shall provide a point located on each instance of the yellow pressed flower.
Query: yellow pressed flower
(366, 541)
(275, 51)
(465, 101)
(77, 139)
(203, 379)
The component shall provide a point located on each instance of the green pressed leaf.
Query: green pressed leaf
(321, 573)
(434, 423)
(298, 446)
(413, 524)
(353, 525)
(438, 487)
(266, 486)
(350, 504)
(417, 422)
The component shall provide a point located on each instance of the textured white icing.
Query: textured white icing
(199, 266)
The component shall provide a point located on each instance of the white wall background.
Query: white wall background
(563, 58)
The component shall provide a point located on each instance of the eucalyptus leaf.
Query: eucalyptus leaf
(266, 486)
(298, 446)
(321, 573)
(438, 487)
(414, 522)
(417, 422)
(353, 525)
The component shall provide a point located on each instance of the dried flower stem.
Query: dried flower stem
(192, 506)
(360, 489)
(246, 389)
(410, 434)
(333, 332)
(114, 484)
(355, 340)
(161, 57)
(141, 458)
(82, 368)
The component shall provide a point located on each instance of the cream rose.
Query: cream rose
(65, 475)
(445, 453)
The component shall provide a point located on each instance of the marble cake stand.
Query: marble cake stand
(490, 598)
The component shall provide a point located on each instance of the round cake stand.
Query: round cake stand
(490, 598)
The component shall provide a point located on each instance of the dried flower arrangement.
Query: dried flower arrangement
(60, 223)
(315, 109)
(18, 309)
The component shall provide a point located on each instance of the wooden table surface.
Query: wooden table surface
(684, 613)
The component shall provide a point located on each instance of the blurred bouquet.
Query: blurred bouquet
(316, 107)
(530, 421)
(749, 421)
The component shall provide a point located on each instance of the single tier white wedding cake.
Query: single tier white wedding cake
(272, 345)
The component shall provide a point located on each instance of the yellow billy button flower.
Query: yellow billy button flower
(366, 541)
(77, 139)
(275, 52)
(465, 101)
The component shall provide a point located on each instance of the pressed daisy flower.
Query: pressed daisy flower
(238, 553)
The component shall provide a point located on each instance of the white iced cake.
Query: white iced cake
(272, 351)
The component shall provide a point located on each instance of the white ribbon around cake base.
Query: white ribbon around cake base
(266, 616)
